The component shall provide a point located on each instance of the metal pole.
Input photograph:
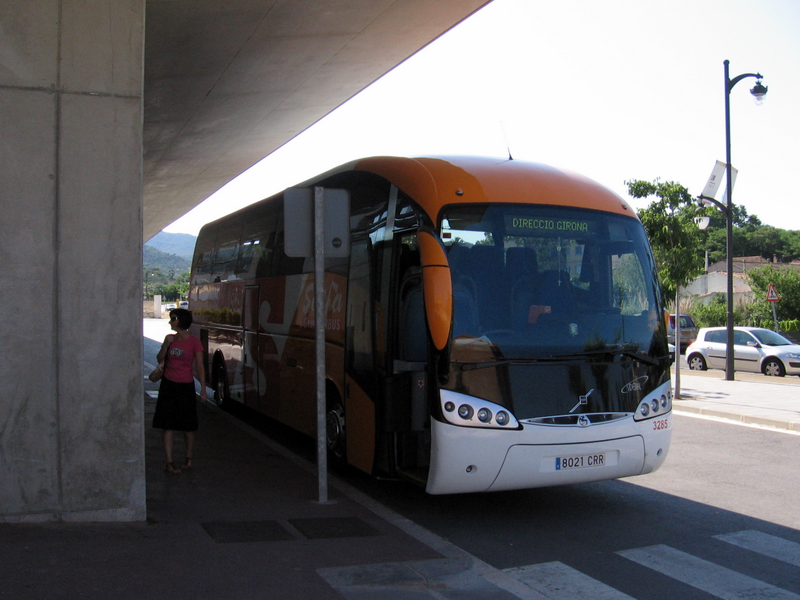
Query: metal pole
(677, 341)
(319, 323)
(729, 230)
(775, 316)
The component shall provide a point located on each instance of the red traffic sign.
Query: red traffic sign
(772, 295)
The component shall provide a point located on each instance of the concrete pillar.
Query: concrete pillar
(71, 399)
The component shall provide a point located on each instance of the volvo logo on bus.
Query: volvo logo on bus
(636, 385)
(582, 401)
(584, 421)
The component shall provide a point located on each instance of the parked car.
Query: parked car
(755, 350)
(183, 304)
(688, 330)
(168, 306)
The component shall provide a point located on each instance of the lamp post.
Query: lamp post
(758, 91)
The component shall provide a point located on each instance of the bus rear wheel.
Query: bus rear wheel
(335, 433)
(220, 379)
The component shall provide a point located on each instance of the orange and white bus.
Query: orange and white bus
(497, 325)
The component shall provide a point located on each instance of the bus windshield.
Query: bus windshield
(541, 282)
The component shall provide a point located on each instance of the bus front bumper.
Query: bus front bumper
(482, 460)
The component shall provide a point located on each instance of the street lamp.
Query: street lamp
(758, 91)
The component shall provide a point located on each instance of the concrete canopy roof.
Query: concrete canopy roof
(227, 82)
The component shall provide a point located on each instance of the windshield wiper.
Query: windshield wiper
(629, 352)
(471, 366)
(565, 358)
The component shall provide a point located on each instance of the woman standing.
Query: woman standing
(176, 409)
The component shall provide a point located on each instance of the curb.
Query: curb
(739, 418)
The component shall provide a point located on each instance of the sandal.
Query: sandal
(187, 463)
(171, 468)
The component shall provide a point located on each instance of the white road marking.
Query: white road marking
(765, 544)
(561, 582)
(706, 576)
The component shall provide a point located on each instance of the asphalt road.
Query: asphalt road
(719, 480)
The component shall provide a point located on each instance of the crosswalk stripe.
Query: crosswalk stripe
(763, 543)
(561, 582)
(703, 575)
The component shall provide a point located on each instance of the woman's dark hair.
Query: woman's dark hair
(184, 317)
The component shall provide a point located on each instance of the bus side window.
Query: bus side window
(411, 332)
(226, 250)
(360, 336)
(264, 266)
(202, 264)
(286, 265)
(224, 261)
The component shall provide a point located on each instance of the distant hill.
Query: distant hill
(181, 244)
(166, 262)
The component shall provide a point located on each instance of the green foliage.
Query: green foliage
(787, 284)
(170, 286)
(672, 231)
(750, 238)
(715, 312)
(790, 325)
(164, 274)
(172, 292)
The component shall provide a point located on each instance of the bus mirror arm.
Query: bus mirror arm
(437, 288)
(443, 365)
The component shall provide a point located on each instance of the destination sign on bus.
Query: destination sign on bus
(540, 225)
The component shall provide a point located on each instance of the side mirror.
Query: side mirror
(437, 287)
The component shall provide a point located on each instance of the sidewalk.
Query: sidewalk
(245, 522)
(750, 399)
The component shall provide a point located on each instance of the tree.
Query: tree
(675, 239)
(787, 284)
(672, 231)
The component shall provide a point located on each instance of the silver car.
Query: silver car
(688, 330)
(755, 350)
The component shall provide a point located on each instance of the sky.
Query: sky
(616, 90)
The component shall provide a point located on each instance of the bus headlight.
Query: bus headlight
(465, 411)
(650, 407)
(475, 412)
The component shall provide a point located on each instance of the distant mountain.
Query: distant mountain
(181, 244)
(166, 262)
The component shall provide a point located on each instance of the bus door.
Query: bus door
(406, 401)
(251, 380)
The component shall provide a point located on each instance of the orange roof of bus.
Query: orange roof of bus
(436, 182)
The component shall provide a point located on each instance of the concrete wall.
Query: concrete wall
(71, 399)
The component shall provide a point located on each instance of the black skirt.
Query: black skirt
(176, 407)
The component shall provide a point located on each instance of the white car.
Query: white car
(755, 350)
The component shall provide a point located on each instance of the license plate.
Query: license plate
(582, 461)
